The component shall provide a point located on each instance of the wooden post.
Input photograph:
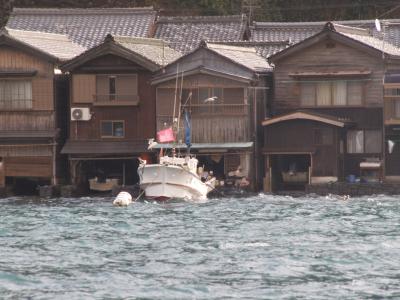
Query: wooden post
(2, 174)
(73, 166)
(123, 174)
(54, 163)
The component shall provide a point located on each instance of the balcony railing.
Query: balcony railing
(15, 104)
(116, 99)
(219, 109)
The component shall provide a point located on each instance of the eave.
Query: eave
(205, 71)
(300, 115)
(109, 47)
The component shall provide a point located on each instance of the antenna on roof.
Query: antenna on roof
(249, 6)
(378, 25)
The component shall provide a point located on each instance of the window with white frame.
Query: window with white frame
(15, 94)
(112, 129)
(364, 141)
(331, 93)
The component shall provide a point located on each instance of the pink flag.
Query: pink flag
(166, 135)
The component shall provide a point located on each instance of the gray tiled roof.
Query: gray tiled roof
(185, 33)
(375, 43)
(246, 56)
(87, 27)
(154, 50)
(264, 49)
(298, 31)
(57, 45)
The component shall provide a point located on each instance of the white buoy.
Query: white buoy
(123, 199)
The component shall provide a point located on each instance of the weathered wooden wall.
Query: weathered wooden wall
(28, 157)
(28, 166)
(299, 136)
(139, 119)
(27, 121)
(218, 122)
(42, 83)
(320, 58)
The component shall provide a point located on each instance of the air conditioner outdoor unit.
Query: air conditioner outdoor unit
(80, 114)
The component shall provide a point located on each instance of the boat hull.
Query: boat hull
(163, 182)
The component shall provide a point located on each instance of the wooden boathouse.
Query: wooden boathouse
(112, 109)
(327, 121)
(224, 88)
(31, 95)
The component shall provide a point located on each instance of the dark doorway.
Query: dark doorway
(290, 171)
(25, 186)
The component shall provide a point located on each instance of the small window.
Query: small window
(324, 93)
(307, 94)
(112, 129)
(111, 87)
(364, 141)
(397, 109)
(354, 93)
(392, 92)
(355, 141)
(15, 94)
(339, 90)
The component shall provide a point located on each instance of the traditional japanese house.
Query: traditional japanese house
(224, 89)
(112, 108)
(31, 102)
(327, 121)
(185, 33)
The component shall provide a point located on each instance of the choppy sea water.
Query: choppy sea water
(255, 247)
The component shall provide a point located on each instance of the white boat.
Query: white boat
(173, 177)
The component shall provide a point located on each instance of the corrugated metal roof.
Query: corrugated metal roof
(58, 45)
(104, 147)
(87, 27)
(185, 33)
(155, 50)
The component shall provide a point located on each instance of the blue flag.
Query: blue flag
(188, 128)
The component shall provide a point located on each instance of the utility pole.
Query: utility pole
(248, 7)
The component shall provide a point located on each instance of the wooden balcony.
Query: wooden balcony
(115, 100)
(218, 109)
(15, 104)
(217, 123)
(26, 121)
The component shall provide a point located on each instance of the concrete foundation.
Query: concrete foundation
(353, 189)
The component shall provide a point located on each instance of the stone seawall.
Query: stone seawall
(354, 189)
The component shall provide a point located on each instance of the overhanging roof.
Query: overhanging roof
(201, 70)
(104, 147)
(300, 115)
(198, 146)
